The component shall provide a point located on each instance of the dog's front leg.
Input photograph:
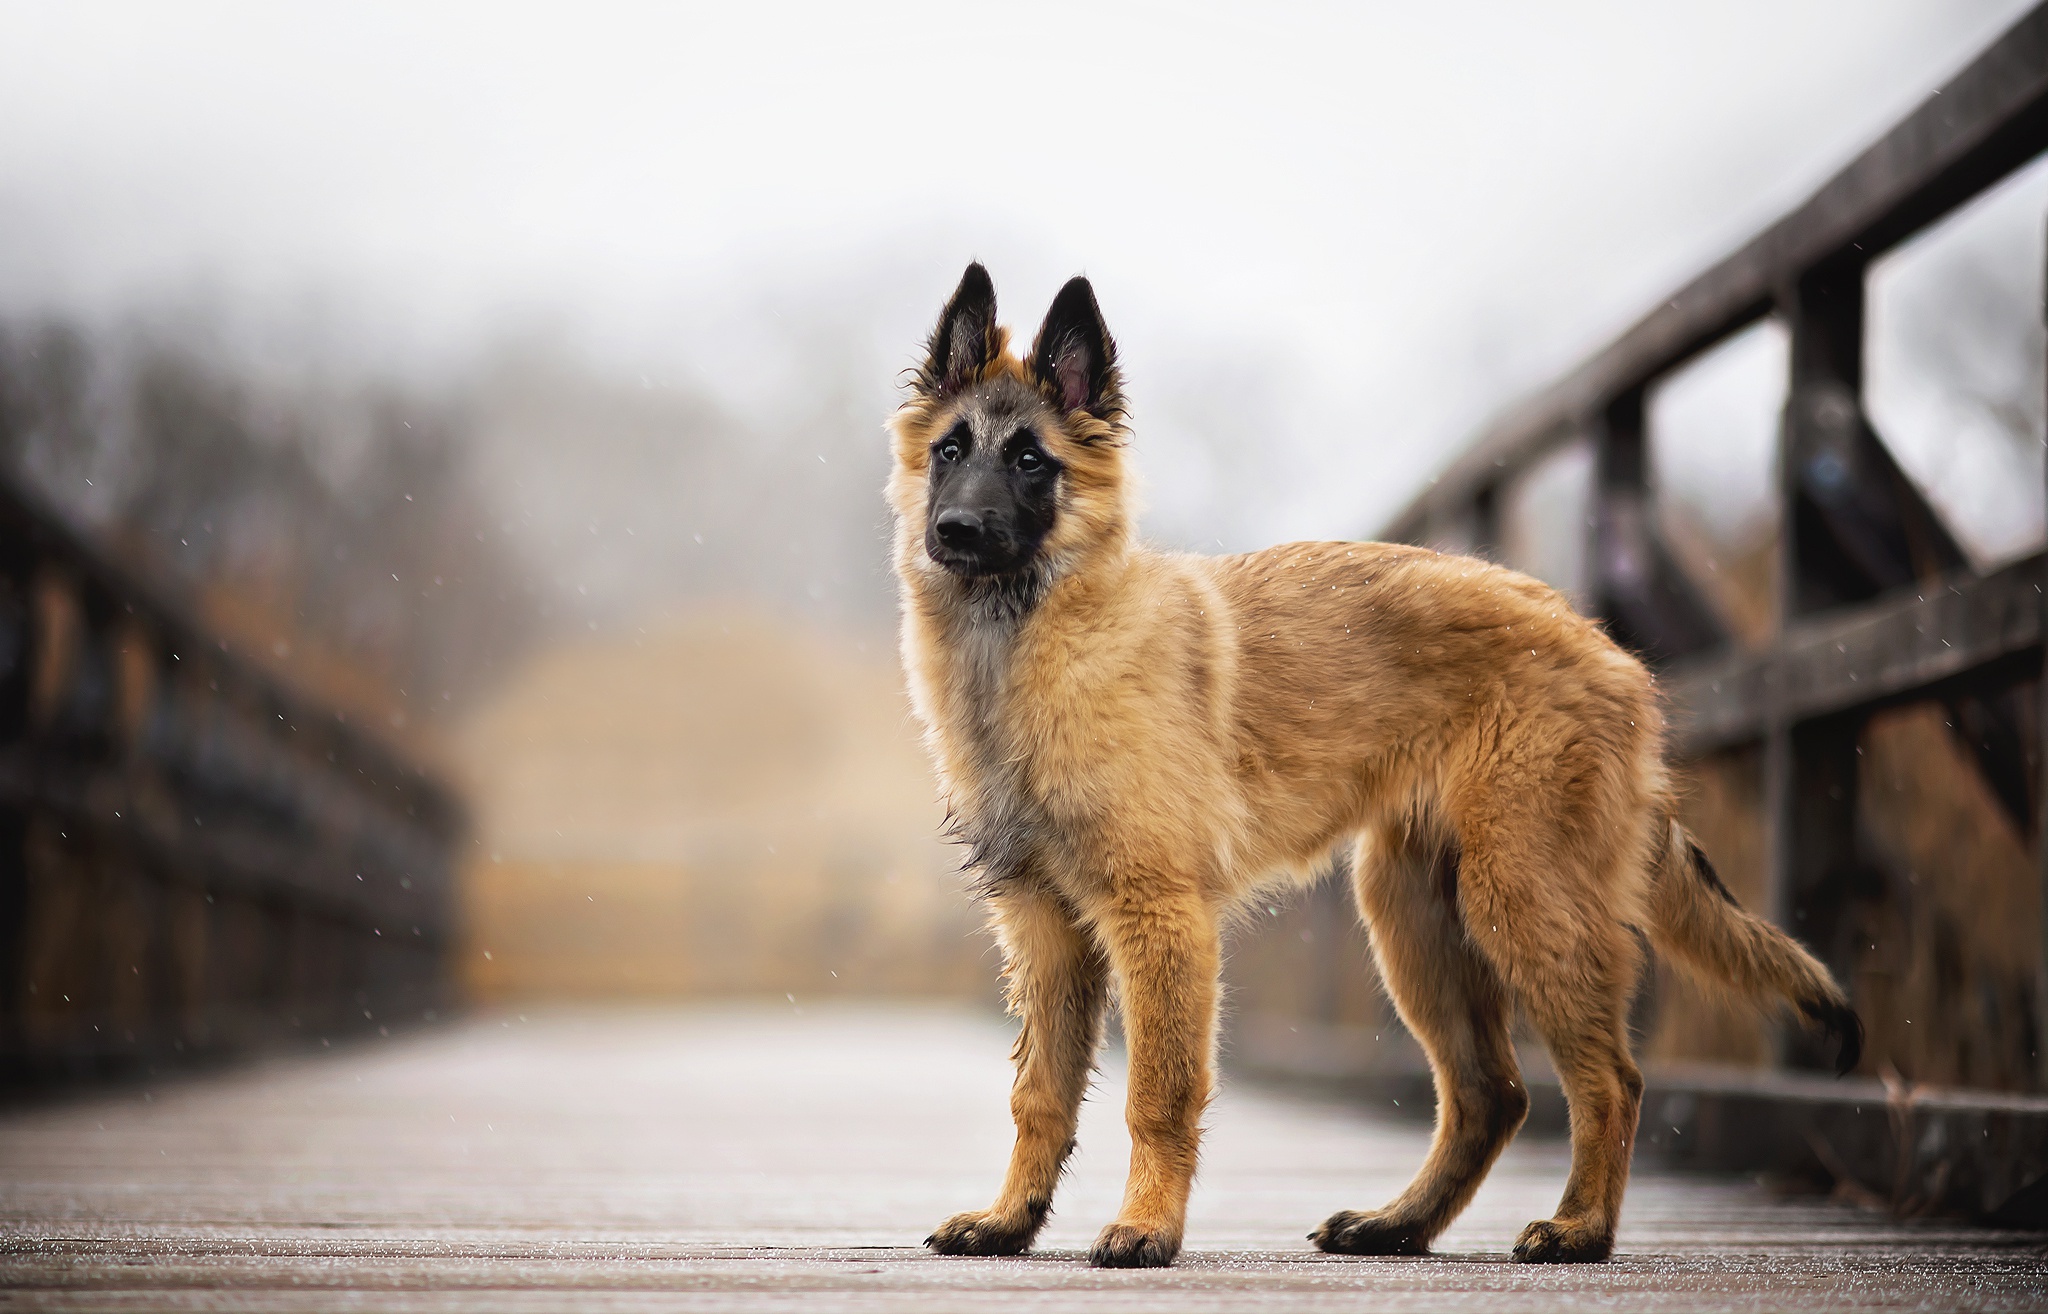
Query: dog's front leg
(1057, 988)
(1163, 945)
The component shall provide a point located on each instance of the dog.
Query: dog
(1132, 744)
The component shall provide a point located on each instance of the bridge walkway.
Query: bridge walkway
(791, 1157)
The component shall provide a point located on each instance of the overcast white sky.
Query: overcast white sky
(1377, 222)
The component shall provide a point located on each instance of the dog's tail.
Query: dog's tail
(1696, 922)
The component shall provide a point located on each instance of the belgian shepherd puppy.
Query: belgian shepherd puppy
(1132, 743)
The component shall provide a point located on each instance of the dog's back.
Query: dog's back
(1394, 681)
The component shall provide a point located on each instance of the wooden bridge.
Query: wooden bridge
(197, 861)
(788, 1158)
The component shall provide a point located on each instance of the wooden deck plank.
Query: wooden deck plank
(763, 1158)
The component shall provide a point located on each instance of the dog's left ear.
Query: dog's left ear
(1074, 357)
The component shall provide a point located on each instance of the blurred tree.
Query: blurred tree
(333, 530)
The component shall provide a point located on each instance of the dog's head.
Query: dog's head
(1011, 470)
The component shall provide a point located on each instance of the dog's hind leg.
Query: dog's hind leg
(1604, 1089)
(1454, 1003)
(1549, 929)
(1057, 982)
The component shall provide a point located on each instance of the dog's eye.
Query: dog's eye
(949, 450)
(1030, 459)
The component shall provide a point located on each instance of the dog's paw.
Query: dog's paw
(1127, 1245)
(1549, 1241)
(984, 1232)
(1349, 1232)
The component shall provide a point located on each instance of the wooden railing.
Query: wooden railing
(194, 858)
(1876, 609)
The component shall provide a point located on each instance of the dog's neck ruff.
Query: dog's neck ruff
(995, 821)
(1002, 600)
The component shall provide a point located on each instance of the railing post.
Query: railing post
(1621, 537)
(1810, 771)
(17, 569)
(1649, 604)
(2040, 827)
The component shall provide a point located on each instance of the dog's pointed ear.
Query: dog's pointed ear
(965, 339)
(1074, 357)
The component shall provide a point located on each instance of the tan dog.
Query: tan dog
(1133, 742)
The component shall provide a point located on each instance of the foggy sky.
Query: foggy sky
(1331, 239)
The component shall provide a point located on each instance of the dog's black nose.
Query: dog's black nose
(958, 528)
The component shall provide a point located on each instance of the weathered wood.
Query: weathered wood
(1858, 525)
(1650, 605)
(1919, 1150)
(1820, 866)
(1986, 121)
(193, 856)
(1906, 642)
(388, 875)
(758, 1158)
(1876, 603)
(2040, 738)
(1968, 1153)
(34, 540)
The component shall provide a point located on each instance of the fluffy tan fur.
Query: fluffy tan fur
(1158, 735)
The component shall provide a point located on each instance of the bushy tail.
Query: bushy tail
(1696, 921)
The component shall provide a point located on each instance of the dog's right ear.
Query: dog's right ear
(965, 340)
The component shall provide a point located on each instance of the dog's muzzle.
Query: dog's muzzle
(969, 543)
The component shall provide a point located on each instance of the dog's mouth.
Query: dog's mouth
(974, 563)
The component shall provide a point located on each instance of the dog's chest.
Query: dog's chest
(1010, 834)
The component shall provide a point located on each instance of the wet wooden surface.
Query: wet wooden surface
(757, 1158)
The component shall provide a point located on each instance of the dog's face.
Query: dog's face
(992, 483)
(1008, 467)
